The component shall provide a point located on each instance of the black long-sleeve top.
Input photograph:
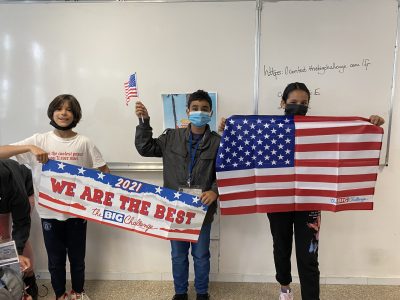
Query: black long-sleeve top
(15, 188)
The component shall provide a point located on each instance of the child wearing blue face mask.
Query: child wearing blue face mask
(199, 118)
(189, 165)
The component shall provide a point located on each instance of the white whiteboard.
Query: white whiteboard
(89, 50)
(298, 36)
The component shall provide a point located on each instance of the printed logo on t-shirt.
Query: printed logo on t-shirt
(65, 156)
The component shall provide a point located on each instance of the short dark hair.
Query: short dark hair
(292, 87)
(199, 95)
(59, 101)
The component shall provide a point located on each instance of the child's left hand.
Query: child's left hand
(376, 120)
(208, 197)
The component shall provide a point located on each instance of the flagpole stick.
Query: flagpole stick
(137, 91)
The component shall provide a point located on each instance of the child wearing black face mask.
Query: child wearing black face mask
(304, 224)
(295, 100)
(63, 235)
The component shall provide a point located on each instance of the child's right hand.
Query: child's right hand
(25, 263)
(221, 125)
(141, 110)
(41, 155)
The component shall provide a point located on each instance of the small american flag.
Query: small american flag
(131, 88)
(289, 163)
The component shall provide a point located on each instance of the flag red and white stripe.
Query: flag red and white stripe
(335, 168)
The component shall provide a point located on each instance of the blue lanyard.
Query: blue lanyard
(192, 161)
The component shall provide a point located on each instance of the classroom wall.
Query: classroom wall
(355, 247)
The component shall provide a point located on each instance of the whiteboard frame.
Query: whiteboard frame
(257, 48)
(111, 1)
(394, 77)
(137, 167)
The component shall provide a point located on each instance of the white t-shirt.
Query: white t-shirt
(77, 150)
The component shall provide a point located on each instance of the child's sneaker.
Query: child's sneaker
(65, 297)
(180, 297)
(286, 295)
(79, 296)
(203, 296)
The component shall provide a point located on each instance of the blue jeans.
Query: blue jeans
(201, 259)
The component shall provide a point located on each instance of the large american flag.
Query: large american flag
(288, 163)
(131, 88)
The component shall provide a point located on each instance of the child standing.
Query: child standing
(303, 225)
(63, 235)
(189, 165)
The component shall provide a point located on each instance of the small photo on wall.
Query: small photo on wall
(175, 110)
